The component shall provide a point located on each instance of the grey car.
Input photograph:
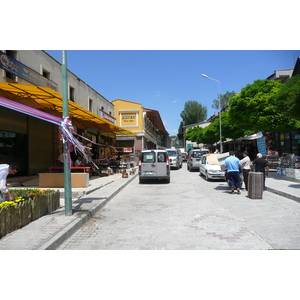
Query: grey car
(194, 156)
(175, 158)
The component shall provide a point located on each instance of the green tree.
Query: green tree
(193, 134)
(255, 108)
(193, 112)
(288, 97)
(224, 100)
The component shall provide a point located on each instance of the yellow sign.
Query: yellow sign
(128, 120)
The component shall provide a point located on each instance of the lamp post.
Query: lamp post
(67, 170)
(219, 95)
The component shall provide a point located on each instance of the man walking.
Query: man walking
(261, 165)
(232, 164)
(6, 169)
(245, 162)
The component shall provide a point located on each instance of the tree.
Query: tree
(224, 100)
(288, 97)
(193, 112)
(193, 134)
(255, 108)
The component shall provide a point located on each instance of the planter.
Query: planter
(12, 218)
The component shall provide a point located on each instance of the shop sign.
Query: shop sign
(106, 116)
(128, 119)
(15, 67)
(261, 146)
(127, 150)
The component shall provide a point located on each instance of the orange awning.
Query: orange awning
(45, 99)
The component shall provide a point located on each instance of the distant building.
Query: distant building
(282, 75)
(145, 123)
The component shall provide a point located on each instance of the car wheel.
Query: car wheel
(206, 176)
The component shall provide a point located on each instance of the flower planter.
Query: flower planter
(15, 217)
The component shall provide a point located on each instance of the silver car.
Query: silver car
(175, 158)
(210, 168)
(193, 161)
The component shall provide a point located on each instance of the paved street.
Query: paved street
(189, 213)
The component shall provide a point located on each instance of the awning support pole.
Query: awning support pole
(67, 170)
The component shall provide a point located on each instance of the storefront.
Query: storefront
(36, 143)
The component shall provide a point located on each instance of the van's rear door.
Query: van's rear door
(162, 166)
(148, 163)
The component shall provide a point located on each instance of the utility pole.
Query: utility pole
(67, 170)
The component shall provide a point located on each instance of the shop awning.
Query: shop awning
(255, 136)
(45, 99)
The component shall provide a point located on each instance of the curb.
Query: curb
(80, 219)
(283, 194)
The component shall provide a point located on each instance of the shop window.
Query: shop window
(14, 148)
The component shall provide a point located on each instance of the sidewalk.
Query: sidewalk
(50, 231)
(283, 186)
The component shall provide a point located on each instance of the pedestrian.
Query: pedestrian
(245, 162)
(78, 162)
(6, 169)
(261, 165)
(232, 165)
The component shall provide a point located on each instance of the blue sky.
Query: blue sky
(165, 79)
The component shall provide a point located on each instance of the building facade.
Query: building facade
(34, 78)
(145, 123)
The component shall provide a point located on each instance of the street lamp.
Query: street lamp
(219, 95)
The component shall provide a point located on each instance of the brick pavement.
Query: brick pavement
(51, 230)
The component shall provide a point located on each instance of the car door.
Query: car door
(202, 164)
(162, 164)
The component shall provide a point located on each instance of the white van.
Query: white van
(154, 164)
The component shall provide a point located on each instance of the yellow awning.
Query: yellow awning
(45, 99)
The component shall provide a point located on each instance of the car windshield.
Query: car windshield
(172, 153)
(199, 153)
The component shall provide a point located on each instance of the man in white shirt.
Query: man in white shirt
(6, 169)
(245, 162)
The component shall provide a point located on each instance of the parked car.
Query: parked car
(154, 164)
(175, 158)
(194, 156)
(210, 168)
(184, 156)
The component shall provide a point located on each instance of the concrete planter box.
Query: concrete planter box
(12, 218)
(49, 180)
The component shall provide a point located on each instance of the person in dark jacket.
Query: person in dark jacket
(261, 165)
